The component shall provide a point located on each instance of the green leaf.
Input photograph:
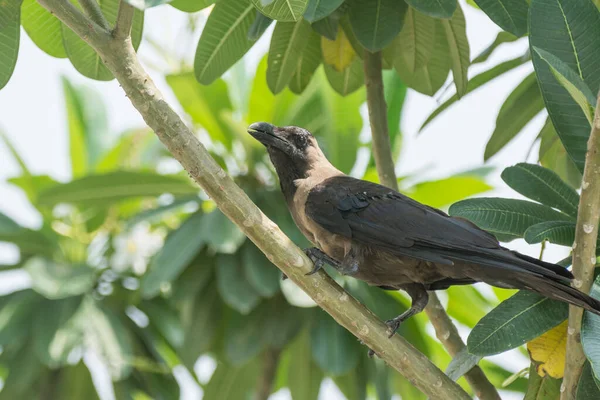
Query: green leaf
(180, 247)
(510, 15)
(58, 281)
(307, 64)
(106, 333)
(514, 322)
(222, 235)
(191, 6)
(521, 106)
(304, 377)
(443, 192)
(232, 383)
(75, 382)
(567, 29)
(417, 40)
(476, 82)
(16, 315)
(164, 318)
(319, 9)
(353, 385)
(461, 363)
(259, 26)
(83, 57)
(458, 296)
(233, 287)
(588, 386)
(159, 213)
(204, 104)
(569, 79)
(57, 329)
(115, 186)
(542, 185)
(542, 388)
(327, 27)
(10, 14)
(224, 39)
(395, 94)
(376, 22)
(557, 232)
(552, 155)
(260, 272)
(42, 28)
(435, 8)
(282, 10)
(287, 44)
(458, 45)
(201, 319)
(501, 38)
(333, 348)
(347, 81)
(505, 216)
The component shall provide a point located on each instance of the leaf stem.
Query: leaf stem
(445, 330)
(584, 255)
(92, 9)
(121, 59)
(122, 29)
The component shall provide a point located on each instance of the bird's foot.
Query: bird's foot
(316, 256)
(283, 276)
(394, 324)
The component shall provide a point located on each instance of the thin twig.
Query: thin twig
(268, 374)
(445, 330)
(122, 61)
(584, 255)
(124, 20)
(92, 9)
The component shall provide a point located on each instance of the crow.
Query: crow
(388, 240)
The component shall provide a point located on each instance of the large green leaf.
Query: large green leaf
(458, 45)
(590, 333)
(510, 15)
(260, 272)
(233, 287)
(461, 363)
(588, 386)
(304, 377)
(514, 322)
(224, 39)
(179, 249)
(476, 82)
(29, 241)
(259, 26)
(75, 382)
(520, 107)
(552, 155)
(83, 57)
(417, 40)
(557, 232)
(16, 315)
(43, 28)
(542, 185)
(501, 38)
(435, 8)
(222, 235)
(568, 29)
(333, 348)
(282, 10)
(10, 13)
(191, 6)
(57, 329)
(347, 81)
(395, 94)
(308, 62)
(319, 9)
(287, 44)
(429, 78)
(542, 388)
(509, 217)
(164, 318)
(204, 104)
(232, 383)
(443, 192)
(57, 281)
(115, 186)
(376, 22)
(569, 79)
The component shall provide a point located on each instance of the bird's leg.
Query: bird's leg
(319, 258)
(419, 298)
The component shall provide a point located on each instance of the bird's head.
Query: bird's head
(289, 147)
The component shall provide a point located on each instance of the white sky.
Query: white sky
(33, 115)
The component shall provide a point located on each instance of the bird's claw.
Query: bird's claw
(317, 262)
(283, 276)
(393, 325)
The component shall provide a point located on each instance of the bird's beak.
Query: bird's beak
(265, 133)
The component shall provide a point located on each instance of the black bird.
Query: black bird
(388, 240)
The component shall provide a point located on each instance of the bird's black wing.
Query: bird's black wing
(376, 216)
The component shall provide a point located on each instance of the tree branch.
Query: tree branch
(92, 9)
(120, 57)
(268, 374)
(584, 255)
(124, 20)
(445, 330)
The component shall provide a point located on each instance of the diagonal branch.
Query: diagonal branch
(124, 20)
(584, 255)
(445, 330)
(121, 59)
(92, 9)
